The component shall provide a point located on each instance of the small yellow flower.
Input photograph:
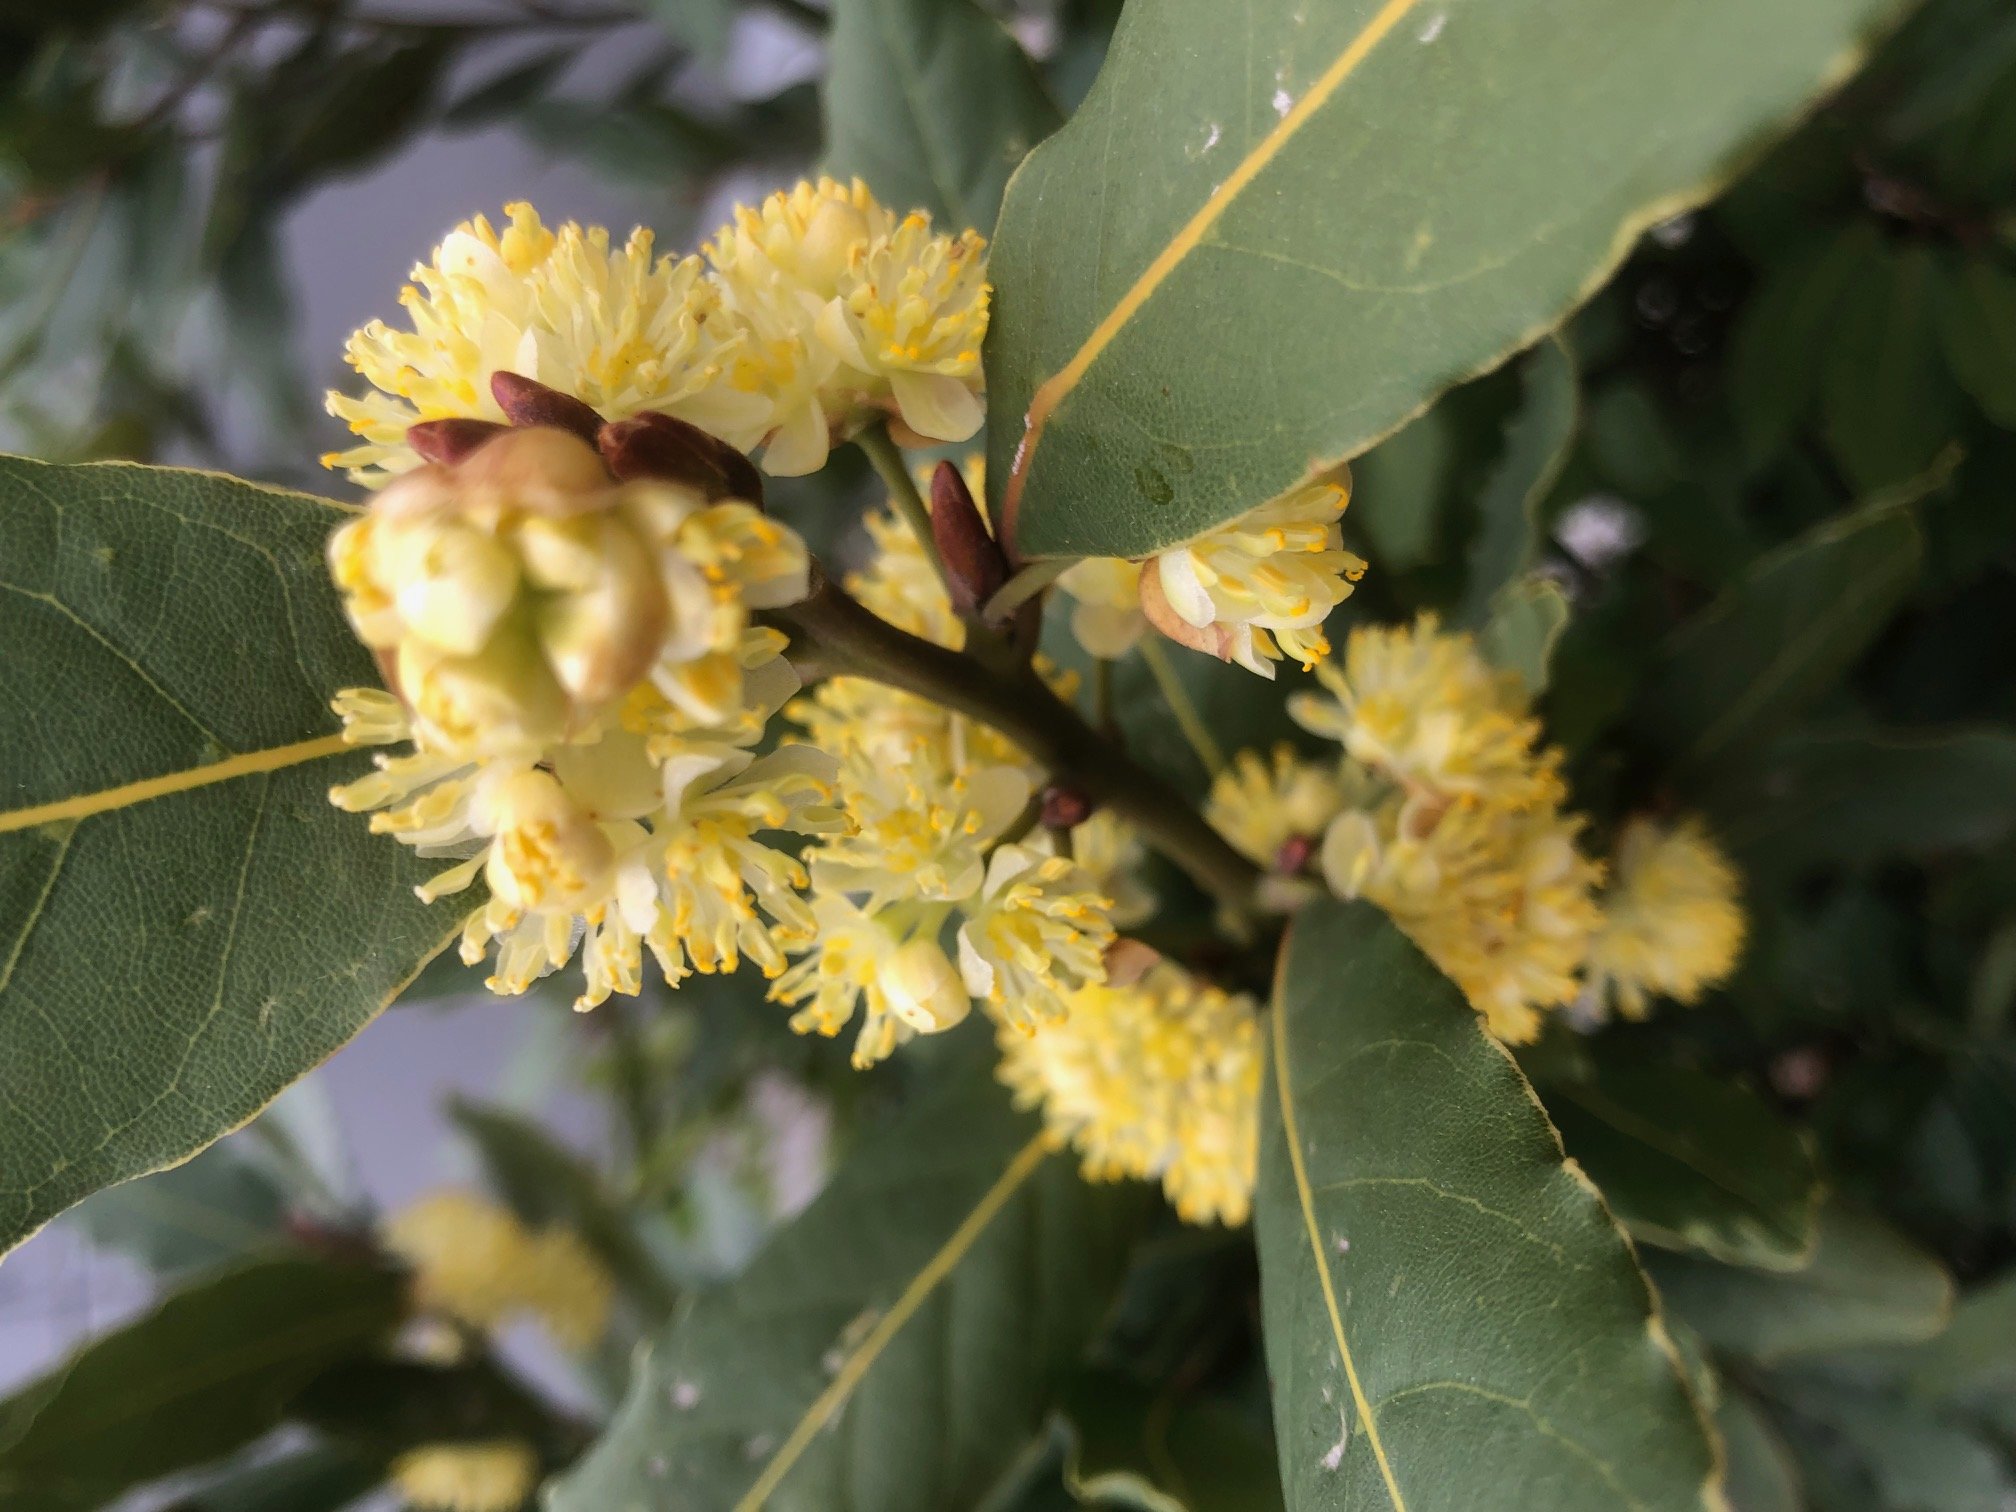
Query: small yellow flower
(901, 586)
(1500, 899)
(1263, 805)
(617, 329)
(1259, 587)
(1160, 1080)
(920, 828)
(476, 1263)
(1111, 854)
(1421, 707)
(494, 1476)
(1038, 931)
(846, 312)
(1673, 921)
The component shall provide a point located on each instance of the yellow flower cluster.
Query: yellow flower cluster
(475, 1263)
(491, 1476)
(1447, 812)
(582, 684)
(938, 840)
(1672, 919)
(810, 316)
(1250, 591)
(1158, 1080)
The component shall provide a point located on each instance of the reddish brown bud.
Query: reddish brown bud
(652, 445)
(1294, 855)
(1065, 807)
(528, 402)
(974, 565)
(449, 441)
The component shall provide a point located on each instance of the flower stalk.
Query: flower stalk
(846, 638)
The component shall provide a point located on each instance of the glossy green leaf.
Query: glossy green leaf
(1537, 443)
(1276, 231)
(1977, 324)
(1774, 361)
(1762, 1475)
(933, 103)
(1691, 1161)
(1526, 623)
(211, 1369)
(1860, 796)
(222, 1205)
(1866, 1285)
(186, 924)
(1899, 1454)
(1780, 636)
(1435, 1276)
(894, 1347)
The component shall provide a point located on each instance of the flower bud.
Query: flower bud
(975, 568)
(669, 450)
(922, 987)
(513, 597)
(548, 854)
(449, 441)
(528, 402)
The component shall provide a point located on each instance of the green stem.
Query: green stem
(1188, 720)
(844, 637)
(889, 465)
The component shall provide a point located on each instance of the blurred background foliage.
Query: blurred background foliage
(1770, 468)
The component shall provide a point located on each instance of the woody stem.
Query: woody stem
(846, 638)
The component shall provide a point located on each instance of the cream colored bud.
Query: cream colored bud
(923, 988)
(548, 854)
(501, 700)
(835, 235)
(539, 470)
(1350, 853)
(452, 583)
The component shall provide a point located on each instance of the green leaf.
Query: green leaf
(1537, 443)
(545, 1183)
(1526, 623)
(1761, 1473)
(1886, 401)
(895, 1346)
(933, 103)
(222, 1205)
(318, 1479)
(1781, 635)
(1774, 359)
(1971, 1359)
(1860, 796)
(504, 93)
(1133, 1449)
(1435, 1276)
(1977, 324)
(1276, 231)
(189, 925)
(212, 1368)
(1901, 1454)
(1691, 1161)
(1867, 1285)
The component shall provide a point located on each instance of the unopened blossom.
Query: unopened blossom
(617, 328)
(1157, 1081)
(516, 596)
(1259, 587)
(884, 966)
(1673, 922)
(848, 313)
(1038, 931)
(492, 1475)
(1420, 706)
